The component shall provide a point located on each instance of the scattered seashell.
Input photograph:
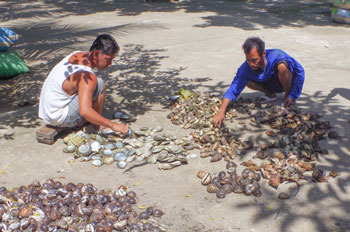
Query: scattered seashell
(121, 164)
(201, 174)
(283, 196)
(206, 179)
(212, 188)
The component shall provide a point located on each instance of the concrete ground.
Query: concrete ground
(166, 46)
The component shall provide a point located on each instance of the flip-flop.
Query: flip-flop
(265, 99)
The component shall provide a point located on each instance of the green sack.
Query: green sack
(11, 64)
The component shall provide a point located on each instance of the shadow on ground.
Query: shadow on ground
(247, 15)
(137, 82)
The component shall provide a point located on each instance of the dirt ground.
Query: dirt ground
(164, 47)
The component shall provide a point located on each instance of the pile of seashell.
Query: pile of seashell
(53, 206)
(295, 135)
(229, 182)
(146, 144)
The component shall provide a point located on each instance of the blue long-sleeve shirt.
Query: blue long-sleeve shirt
(273, 57)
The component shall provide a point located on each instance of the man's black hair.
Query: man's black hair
(254, 42)
(106, 44)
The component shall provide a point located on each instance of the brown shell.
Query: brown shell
(212, 188)
(201, 174)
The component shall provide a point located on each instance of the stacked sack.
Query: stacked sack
(341, 11)
(11, 63)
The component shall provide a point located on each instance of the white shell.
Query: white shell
(121, 164)
(69, 148)
(95, 146)
(97, 163)
(191, 156)
(119, 156)
(107, 152)
(110, 146)
(84, 150)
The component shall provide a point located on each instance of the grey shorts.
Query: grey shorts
(73, 117)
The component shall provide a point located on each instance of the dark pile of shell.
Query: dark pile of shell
(294, 135)
(53, 206)
(146, 144)
(229, 182)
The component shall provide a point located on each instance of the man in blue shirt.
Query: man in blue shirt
(269, 71)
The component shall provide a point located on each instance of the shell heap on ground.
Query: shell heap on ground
(291, 151)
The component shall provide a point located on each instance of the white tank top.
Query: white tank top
(53, 105)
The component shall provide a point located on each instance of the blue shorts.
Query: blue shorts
(73, 117)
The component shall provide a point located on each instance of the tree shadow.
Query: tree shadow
(247, 15)
(334, 195)
(19, 96)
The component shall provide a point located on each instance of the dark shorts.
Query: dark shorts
(273, 85)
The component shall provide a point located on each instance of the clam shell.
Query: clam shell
(206, 179)
(130, 158)
(99, 138)
(95, 146)
(201, 174)
(158, 129)
(108, 160)
(220, 193)
(283, 196)
(109, 146)
(162, 155)
(131, 153)
(191, 156)
(97, 163)
(249, 189)
(212, 188)
(96, 157)
(156, 149)
(69, 148)
(84, 150)
(152, 159)
(119, 156)
(121, 164)
(107, 152)
(119, 144)
(159, 138)
(139, 158)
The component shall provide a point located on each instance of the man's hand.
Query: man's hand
(288, 102)
(122, 128)
(219, 118)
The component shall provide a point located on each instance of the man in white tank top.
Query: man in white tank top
(72, 94)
